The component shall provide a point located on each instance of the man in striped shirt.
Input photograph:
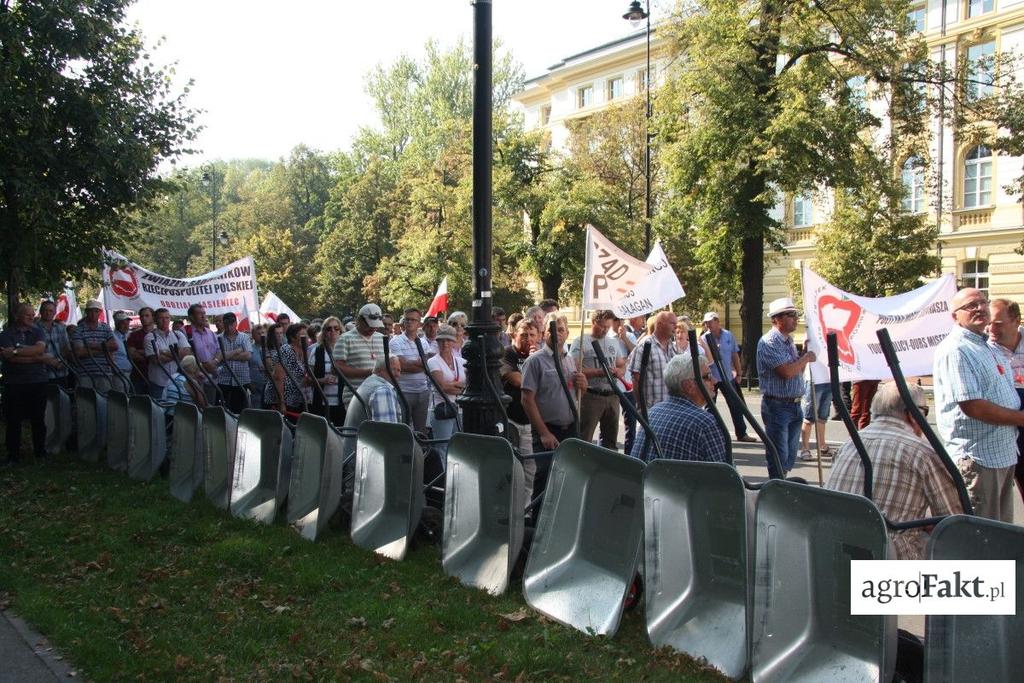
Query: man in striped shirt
(978, 408)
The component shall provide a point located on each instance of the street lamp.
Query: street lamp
(636, 15)
(210, 183)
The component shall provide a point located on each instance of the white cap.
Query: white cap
(372, 315)
(709, 316)
(779, 306)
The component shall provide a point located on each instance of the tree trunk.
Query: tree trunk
(752, 307)
(550, 284)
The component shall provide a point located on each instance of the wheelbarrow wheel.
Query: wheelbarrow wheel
(633, 595)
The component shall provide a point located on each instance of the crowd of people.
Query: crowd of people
(337, 368)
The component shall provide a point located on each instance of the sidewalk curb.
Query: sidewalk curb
(40, 646)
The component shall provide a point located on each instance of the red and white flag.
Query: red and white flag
(272, 307)
(103, 310)
(244, 323)
(440, 302)
(68, 311)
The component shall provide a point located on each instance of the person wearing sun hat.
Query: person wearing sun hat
(91, 341)
(356, 352)
(780, 376)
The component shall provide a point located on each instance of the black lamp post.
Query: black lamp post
(210, 179)
(482, 350)
(636, 14)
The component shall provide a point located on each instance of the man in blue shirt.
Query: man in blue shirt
(730, 350)
(22, 349)
(780, 375)
(684, 430)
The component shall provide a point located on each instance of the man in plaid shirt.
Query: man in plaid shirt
(662, 351)
(685, 431)
(909, 481)
(978, 408)
(381, 401)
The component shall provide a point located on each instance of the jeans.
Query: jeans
(782, 420)
(442, 429)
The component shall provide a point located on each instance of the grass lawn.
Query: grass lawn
(131, 583)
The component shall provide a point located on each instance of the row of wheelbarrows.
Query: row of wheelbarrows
(751, 578)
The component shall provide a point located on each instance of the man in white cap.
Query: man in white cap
(730, 352)
(356, 351)
(91, 341)
(780, 375)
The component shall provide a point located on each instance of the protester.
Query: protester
(179, 326)
(233, 376)
(499, 318)
(257, 369)
(458, 320)
(548, 306)
(58, 344)
(523, 343)
(136, 348)
(357, 350)
(186, 386)
(683, 428)
(780, 375)
(682, 340)
(663, 327)
(92, 341)
(535, 314)
(380, 398)
(978, 407)
(414, 383)
(909, 481)
(543, 397)
(158, 343)
(729, 350)
(120, 356)
(288, 375)
(284, 321)
(599, 403)
(510, 326)
(429, 336)
(448, 368)
(815, 412)
(24, 380)
(204, 345)
(320, 366)
(1006, 337)
(860, 401)
(627, 342)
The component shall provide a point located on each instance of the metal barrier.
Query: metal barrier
(220, 432)
(119, 433)
(802, 629)
(696, 561)
(388, 497)
(149, 438)
(57, 418)
(262, 468)
(586, 546)
(91, 418)
(485, 495)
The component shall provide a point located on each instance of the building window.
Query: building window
(981, 70)
(975, 274)
(918, 17)
(913, 184)
(975, 8)
(803, 212)
(584, 96)
(545, 115)
(614, 88)
(978, 177)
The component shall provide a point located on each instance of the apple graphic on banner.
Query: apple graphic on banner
(124, 283)
(840, 316)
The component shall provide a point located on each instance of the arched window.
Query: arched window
(913, 183)
(803, 211)
(975, 274)
(978, 177)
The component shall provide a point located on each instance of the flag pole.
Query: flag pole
(583, 318)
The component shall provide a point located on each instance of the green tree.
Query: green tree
(86, 120)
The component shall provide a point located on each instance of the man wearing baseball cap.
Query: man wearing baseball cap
(356, 351)
(780, 375)
(730, 351)
(92, 340)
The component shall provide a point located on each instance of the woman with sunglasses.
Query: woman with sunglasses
(458, 320)
(449, 371)
(280, 385)
(321, 368)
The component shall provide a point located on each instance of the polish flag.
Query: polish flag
(103, 311)
(244, 324)
(440, 302)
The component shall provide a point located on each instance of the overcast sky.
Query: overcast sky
(271, 75)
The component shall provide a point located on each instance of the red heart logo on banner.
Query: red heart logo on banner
(840, 316)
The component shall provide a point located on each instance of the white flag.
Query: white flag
(68, 311)
(610, 274)
(660, 288)
(272, 307)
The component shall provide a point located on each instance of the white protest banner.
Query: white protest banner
(610, 273)
(129, 286)
(917, 321)
(272, 307)
(660, 288)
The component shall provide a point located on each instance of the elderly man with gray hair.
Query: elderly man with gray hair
(685, 431)
(909, 480)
